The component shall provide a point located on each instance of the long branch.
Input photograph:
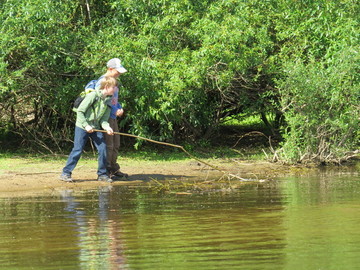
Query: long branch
(176, 146)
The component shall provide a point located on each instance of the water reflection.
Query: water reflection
(322, 218)
(99, 241)
(293, 223)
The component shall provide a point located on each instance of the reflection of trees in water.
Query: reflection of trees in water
(100, 246)
(207, 231)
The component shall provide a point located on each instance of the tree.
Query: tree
(191, 65)
(40, 60)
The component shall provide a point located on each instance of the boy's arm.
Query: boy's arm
(104, 119)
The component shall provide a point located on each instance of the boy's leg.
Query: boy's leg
(99, 141)
(80, 139)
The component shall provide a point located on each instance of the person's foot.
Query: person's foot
(66, 178)
(104, 178)
(119, 175)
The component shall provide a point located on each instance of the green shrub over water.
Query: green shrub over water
(320, 101)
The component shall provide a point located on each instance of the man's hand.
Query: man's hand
(119, 112)
(89, 129)
(109, 131)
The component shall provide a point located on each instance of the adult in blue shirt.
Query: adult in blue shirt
(114, 69)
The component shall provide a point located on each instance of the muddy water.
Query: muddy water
(290, 223)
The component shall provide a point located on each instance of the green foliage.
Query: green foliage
(321, 105)
(40, 60)
(192, 64)
(319, 88)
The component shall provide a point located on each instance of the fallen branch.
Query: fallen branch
(177, 146)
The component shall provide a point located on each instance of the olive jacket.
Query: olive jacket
(94, 110)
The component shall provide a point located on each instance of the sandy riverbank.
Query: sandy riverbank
(22, 176)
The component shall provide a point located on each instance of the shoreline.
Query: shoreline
(29, 177)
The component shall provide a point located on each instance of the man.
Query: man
(114, 69)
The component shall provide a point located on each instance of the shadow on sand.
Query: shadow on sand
(141, 177)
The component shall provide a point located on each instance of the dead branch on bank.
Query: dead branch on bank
(181, 148)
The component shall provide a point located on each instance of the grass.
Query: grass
(147, 153)
(245, 122)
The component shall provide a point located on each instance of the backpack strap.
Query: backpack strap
(93, 104)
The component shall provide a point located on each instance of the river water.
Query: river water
(289, 223)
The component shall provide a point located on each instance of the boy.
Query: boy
(92, 113)
(114, 70)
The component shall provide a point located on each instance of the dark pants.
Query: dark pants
(80, 139)
(112, 146)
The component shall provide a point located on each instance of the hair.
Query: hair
(107, 82)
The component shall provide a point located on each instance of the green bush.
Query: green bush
(320, 101)
(192, 65)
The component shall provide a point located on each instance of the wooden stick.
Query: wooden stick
(177, 146)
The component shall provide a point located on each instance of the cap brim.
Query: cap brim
(121, 69)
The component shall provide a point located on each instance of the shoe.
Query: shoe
(119, 175)
(66, 178)
(105, 178)
(116, 178)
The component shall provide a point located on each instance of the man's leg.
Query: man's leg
(112, 146)
(116, 146)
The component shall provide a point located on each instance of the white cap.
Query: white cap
(115, 63)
